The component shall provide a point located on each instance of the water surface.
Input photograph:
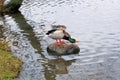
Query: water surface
(95, 23)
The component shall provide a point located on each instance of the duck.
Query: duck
(58, 33)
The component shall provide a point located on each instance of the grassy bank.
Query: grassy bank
(9, 64)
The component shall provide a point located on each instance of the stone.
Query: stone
(63, 49)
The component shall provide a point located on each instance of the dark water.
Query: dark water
(95, 23)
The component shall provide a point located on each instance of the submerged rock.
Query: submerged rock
(63, 49)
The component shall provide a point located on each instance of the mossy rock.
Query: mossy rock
(9, 65)
(63, 49)
(11, 7)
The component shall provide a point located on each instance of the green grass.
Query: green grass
(8, 79)
(4, 45)
(9, 64)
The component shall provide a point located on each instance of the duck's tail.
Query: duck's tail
(50, 31)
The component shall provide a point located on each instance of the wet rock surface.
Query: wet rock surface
(63, 49)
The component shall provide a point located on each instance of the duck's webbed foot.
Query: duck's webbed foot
(59, 42)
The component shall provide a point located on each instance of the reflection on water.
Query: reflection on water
(23, 46)
(56, 67)
(35, 66)
(27, 30)
(94, 23)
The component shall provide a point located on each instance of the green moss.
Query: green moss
(9, 65)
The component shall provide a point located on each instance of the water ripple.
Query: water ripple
(94, 23)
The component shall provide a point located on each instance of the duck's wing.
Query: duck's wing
(51, 31)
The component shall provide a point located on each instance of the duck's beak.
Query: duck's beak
(77, 41)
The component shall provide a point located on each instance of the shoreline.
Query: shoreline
(10, 65)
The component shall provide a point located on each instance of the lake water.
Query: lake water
(95, 23)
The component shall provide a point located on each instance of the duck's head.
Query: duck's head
(72, 40)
